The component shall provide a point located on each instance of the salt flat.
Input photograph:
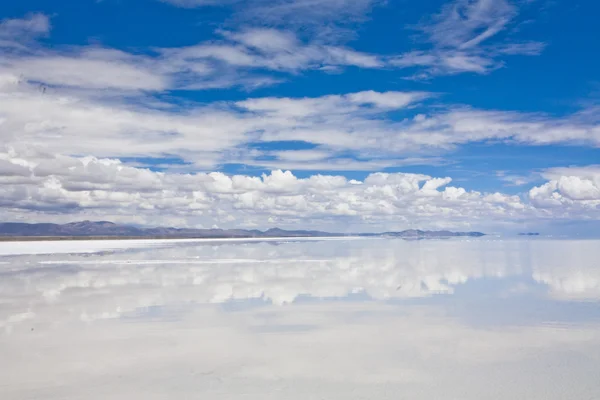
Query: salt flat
(352, 319)
(94, 246)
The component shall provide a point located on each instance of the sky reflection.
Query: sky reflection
(352, 319)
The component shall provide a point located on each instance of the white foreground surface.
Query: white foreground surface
(96, 246)
(358, 319)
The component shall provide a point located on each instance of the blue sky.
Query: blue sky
(479, 114)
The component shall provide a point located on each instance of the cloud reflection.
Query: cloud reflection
(224, 320)
(110, 284)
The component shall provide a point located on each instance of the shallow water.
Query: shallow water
(308, 319)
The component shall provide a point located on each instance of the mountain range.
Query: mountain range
(91, 229)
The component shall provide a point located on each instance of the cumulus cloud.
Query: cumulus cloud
(591, 172)
(68, 115)
(79, 186)
(54, 187)
(62, 149)
(572, 191)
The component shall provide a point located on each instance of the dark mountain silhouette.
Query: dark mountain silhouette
(109, 229)
(105, 228)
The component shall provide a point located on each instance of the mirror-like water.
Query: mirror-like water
(308, 319)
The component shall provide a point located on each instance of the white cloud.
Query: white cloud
(526, 48)
(18, 30)
(514, 180)
(59, 106)
(242, 58)
(201, 135)
(328, 20)
(353, 128)
(576, 188)
(336, 123)
(307, 161)
(349, 104)
(460, 36)
(249, 58)
(264, 39)
(75, 186)
(588, 172)
(78, 188)
(272, 50)
(309, 11)
(88, 72)
(465, 24)
(302, 155)
(391, 100)
(572, 191)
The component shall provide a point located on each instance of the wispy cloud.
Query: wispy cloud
(69, 114)
(515, 180)
(355, 126)
(271, 50)
(327, 20)
(465, 24)
(92, 68)
(16, 32)
(464, 38)
(310, 11)
(351, 131)
(198, 3)
(250, 57)
(32, 25)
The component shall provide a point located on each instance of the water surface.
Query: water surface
(308, 319)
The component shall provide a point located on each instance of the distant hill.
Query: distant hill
(105, 229)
